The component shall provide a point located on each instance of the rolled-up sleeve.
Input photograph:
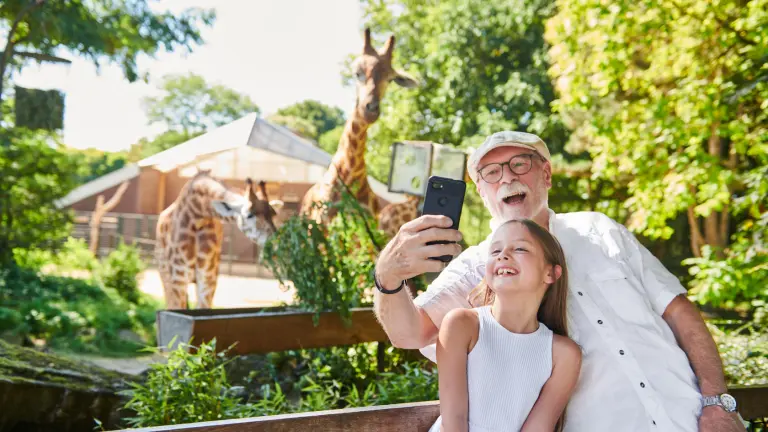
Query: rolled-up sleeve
(660, 284)
(450, 289)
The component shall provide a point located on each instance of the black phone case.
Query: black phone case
(444, 196)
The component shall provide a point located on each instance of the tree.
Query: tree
(35, 174)
(116, 31)
(323, 117)
(95, 163)
(190, 105)
(672, 97)
(482, 66)
(297, 125)
(146, 147)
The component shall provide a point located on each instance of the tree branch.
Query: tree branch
(8, 52)
(42, 57)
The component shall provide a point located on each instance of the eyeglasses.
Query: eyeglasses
(519, 164)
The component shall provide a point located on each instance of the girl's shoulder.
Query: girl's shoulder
(461, 325)
(565, 351)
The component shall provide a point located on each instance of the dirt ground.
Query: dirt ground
(231, 291)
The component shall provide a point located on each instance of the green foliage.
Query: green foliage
(146, 147)
(323, 117)
(669, 99)
(482, 67)
(192, 386)
(197, 383)
(35, 174)
(74, 302)
(190, 105)
(96, 163)
(329, 141)
(744, 353)
(329, 266)
(114, 31)
(297, 125)
(39, 109)
(120, 270)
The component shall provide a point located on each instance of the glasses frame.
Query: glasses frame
(508, 163)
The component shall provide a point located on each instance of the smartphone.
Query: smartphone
(445, 197)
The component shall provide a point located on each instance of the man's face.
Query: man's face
(515, 196)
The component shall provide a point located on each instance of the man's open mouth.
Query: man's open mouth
(515, 198)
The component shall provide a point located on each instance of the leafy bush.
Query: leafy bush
(329, 266)
(71, 314)
(198, 384)
(191, 387)
(120, 270)
(744, 350)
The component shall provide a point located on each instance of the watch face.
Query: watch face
(729, 403)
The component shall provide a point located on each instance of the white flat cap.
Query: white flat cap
(505, 139)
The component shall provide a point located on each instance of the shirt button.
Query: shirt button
(599, 321)
(642, 385)
(580, 293)
(621, 352)
(654, 422)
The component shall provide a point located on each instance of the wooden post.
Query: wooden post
(101, 209)
(230, 246)
(161, 193)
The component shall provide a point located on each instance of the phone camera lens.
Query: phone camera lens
(437, 185)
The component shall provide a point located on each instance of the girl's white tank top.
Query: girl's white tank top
(505, 374)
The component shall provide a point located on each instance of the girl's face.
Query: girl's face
(516, 262)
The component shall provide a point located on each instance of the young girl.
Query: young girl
(500, 366)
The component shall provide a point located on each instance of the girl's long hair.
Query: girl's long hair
(553, 308)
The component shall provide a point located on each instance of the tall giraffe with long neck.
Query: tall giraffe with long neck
(190, 234)
(373, 72)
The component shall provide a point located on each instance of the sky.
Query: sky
(278, 52)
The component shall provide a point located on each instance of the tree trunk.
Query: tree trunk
(99, 212)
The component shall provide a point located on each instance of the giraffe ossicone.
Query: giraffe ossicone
(373, 72)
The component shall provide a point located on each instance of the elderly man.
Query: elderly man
(649, 363)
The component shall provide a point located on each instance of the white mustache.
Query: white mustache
(508, 189)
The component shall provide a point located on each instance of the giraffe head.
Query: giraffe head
(254, 215)
(373, 72)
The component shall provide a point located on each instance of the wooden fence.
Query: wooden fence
(416, 417)
(239, 255)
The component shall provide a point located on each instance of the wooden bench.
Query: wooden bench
(416, 417)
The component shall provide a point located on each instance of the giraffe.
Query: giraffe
(394, 215)
(373, 72)
(189, 234)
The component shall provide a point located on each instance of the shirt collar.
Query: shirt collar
(494, 223)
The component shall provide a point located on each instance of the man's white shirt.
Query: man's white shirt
(634, 376)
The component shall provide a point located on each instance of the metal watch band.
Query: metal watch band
(384, 290)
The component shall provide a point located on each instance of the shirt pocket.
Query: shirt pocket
(623, 296)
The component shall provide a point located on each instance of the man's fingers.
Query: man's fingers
(427, 221)
(434, 266)
(439, 234)
(440, 250)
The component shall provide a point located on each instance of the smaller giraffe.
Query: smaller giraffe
(190, 233)
(395, 215)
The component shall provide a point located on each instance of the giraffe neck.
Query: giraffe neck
(198, 194)
(349, 160)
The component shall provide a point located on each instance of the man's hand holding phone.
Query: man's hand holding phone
(408, 255)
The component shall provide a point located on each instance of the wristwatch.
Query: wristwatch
(381, 288)
(726, 401)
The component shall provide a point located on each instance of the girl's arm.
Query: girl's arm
(457, 336)
(566, 364)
